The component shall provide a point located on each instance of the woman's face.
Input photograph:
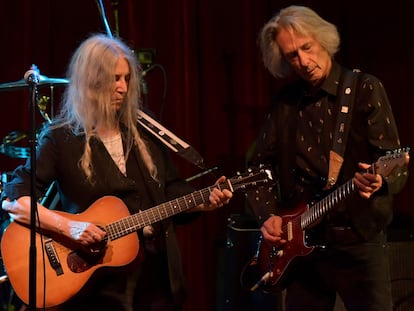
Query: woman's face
(122, 75)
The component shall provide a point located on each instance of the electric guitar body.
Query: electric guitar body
(273, 261)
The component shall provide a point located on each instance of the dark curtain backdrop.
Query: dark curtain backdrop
(207, 85)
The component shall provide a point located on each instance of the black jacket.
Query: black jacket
(57, 160)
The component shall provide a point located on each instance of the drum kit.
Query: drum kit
(13, 146)
(8, 146)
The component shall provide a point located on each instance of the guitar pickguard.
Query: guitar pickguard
(79, 263)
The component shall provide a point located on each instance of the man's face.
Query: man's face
(306, 56)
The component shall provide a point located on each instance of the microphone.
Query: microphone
(32, 76)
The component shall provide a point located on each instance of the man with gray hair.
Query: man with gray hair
(326, 127)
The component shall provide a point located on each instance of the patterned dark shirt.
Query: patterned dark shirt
(298, 136)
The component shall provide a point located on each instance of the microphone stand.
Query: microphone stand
(32, 81)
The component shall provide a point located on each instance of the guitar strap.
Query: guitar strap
(346, 91)
(170, 140)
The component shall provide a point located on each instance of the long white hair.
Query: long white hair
(87, 99)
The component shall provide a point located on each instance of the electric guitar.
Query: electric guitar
(63, 267)
(272, 262)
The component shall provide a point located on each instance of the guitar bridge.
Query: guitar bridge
(53, 257)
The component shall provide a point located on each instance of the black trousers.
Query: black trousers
(359, 273)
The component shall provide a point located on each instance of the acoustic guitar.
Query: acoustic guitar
(63, 266)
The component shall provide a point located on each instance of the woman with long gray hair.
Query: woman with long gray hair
(94, 149)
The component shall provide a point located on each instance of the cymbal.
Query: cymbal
(43, 81)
